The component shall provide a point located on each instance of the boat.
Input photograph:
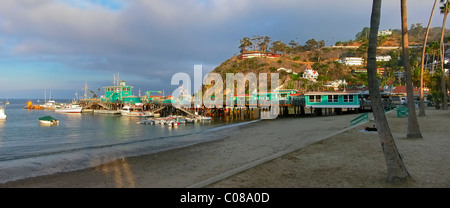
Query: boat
(51, 105)
(204, 118)
(30, 106)
(48, 120)
(70, 108)
(2, 113)
(134, 111)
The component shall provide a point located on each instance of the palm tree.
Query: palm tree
(444, 10)
(396, 169)
(413, 125)
(435, 51)
(421, 102)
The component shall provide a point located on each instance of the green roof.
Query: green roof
(47, 118)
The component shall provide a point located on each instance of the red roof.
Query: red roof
(402, 89)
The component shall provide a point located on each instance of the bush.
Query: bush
(279, 61)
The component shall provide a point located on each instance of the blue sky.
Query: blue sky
(58, 45)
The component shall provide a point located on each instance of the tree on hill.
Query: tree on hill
(363, 35)
(279, 47)
(295, 47)
(312, 44)
(245, 43)
(257, 40)
(264, 44)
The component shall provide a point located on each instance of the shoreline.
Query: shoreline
(354, 159)
(182, 167)
(310, 158)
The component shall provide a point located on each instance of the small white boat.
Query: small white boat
(2, 113)
(48, 120)
(204, 118)
(134, 111)
(70, 108)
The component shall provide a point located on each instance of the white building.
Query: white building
(384, 58)
(310, 74)
(335, 84)
(352, 61)
(384, 32)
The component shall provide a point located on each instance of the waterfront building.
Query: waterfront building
(120, 93)
(339, 99)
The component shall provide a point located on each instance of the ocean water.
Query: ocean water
(28, 149)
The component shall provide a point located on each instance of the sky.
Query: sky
(57, 46)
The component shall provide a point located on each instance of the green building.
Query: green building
(284, 96)
(120, 93)
(332, 100)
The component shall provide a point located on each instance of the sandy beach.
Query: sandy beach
(320, 152)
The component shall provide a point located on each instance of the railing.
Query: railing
(360, 118)
(402, 111)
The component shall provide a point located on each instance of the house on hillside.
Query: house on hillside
(257, 54)
(335, 84)
(310, 74)
(352, 61)
(384, 32)
(383, 58)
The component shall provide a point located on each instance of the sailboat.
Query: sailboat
(50, 104)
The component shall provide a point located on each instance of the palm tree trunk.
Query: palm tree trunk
(421, 102)
(413, 125)
(443, 87)
(396, 169)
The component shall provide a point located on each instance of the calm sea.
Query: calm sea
(29, 149)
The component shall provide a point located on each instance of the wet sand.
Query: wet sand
(283, 153)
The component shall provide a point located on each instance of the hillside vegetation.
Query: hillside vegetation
(324, 60)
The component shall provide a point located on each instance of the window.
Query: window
(333, 98)
(315, 98)
(348, 98)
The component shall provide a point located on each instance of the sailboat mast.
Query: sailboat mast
(85, 90)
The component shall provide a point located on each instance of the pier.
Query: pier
(290, 103)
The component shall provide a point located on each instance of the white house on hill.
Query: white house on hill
(310, 74)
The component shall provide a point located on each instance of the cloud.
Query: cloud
(157, 38)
